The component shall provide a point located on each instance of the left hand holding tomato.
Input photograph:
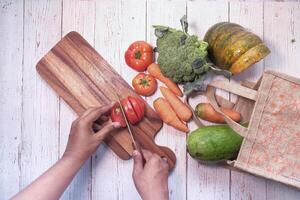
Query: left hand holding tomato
(144, 84)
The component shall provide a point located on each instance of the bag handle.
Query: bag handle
(210, 94)
(235, 89)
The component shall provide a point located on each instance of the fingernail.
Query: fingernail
(165, 159)
(135, 153)
(116, 124)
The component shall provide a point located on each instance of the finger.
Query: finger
(86, 112)
(137, 163)
(147, 154)
(95, 114)
(100, 135)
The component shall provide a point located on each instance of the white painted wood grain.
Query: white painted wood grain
(169, 13)
(120, 18)
(249, 15)
(281, 31)
(118, 23)
(43, 134)
(204, 181)
(132, 23)
(105, 172)
(11, 53)
(77, 16)
(42, 29)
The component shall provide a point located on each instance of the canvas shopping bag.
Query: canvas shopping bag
(271, 145)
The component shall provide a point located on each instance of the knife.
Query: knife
(136, 145)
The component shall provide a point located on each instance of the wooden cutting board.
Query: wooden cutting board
(84, 79)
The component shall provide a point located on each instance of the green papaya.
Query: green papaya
(214, 143)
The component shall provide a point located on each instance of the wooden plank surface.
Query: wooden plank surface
(203, 181)
(111, 26)
(40, 117)
(77, 16)
(249, 15)
(282, 34)
(118, 19)
(11, 57)
(163, 14)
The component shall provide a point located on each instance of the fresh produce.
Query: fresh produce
(167, 114)
(134, 109)
(154, 70)
(183, 57)
(144, 84)
(207, 112)
(139, 55)
(116, 115)
(214, 143)
(181, 109)
(233, 48)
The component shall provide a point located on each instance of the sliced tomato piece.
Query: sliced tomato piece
(117, 116)
(129, 111)
(141, 103)
(136, 107)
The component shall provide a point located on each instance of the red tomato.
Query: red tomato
(129, 111)
(116, 115)
(144, 84)
(136, 106)
(139, 55)
(133, 108)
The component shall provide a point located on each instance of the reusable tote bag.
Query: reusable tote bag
(271, 145)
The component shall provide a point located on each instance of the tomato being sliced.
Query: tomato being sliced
(129, 111)
(134, 110)
(117, 116)
(136, 107)
(142, 106)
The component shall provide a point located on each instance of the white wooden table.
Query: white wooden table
(35, 122)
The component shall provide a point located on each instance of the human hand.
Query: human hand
(151, 179)
(83, 141)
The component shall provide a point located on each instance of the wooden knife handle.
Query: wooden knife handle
(148, 143)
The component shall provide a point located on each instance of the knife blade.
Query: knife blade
(136, 145)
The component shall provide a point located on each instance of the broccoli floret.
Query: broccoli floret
(182, 57)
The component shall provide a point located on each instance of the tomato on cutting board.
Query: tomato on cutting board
(139, 55)
(129, 111)
(144, 84)
(134, 109)
(116, 115)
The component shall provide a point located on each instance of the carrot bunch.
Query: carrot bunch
(170, 108)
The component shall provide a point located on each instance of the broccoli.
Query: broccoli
(182, 57)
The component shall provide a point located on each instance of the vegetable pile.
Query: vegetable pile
(183, 57)
(227, 49)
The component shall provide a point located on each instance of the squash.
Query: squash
(233, 48)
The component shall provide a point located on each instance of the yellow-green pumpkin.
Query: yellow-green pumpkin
(234, 48)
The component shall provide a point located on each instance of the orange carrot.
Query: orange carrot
(181, 109)
(154, 70)
(167, 114)
(207, 112)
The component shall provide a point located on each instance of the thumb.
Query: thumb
(137, 163)
(107, 129)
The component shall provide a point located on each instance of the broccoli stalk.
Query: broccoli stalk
(183, 57)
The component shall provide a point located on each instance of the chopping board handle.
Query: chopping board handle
(148, 143)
